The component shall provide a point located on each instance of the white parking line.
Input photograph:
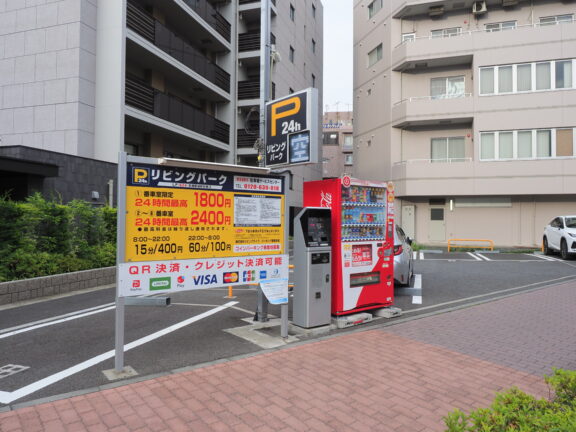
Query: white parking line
(52, 321)
(474, 256)
(9, 397)
(542, 257)
(483, 257)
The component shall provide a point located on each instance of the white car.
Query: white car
(560, 235)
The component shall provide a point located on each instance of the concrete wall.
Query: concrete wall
(29, 289)
(47, 75)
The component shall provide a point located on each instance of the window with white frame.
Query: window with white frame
(348, 142)
(500, 26)
(448, 149)
(528, 77)
(447, 32)
(408, 37)
(375, 55)
(556, 19)
(528, 144)
(349, 159)
(447, 87)
(374, 7)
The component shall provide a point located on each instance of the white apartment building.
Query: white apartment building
(81, 80)
(469, 107)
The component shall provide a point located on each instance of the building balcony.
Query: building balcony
(249, 89)
(178, 48)
(428, 111)
(174, 110)
(249, 41)
(211, 16)
(457, 49)
(465, 177)
(250, 10)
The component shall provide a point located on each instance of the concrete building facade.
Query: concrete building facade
(161, 78)
(337, 144)
(470, 108)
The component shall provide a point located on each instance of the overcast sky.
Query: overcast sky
(337, 55)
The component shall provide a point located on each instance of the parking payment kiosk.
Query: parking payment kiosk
(312, 262)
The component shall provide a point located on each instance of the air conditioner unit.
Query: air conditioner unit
(509, 3)
(479, 7)
(435, 11)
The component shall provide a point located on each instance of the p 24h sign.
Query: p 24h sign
(292, 125)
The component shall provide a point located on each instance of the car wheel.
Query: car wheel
(564, 250)
(547, 250)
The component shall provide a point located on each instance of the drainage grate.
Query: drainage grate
(10, 369)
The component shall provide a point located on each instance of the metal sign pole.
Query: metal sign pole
(120, 254)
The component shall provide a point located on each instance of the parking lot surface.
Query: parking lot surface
(403, 377)
(56, 346)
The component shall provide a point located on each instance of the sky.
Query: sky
(337, 55)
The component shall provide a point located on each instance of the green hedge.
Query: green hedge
(516, 411)
(40, 237)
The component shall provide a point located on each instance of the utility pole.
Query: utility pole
(264, 77)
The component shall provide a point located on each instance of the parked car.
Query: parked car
(403, 258)
(560, 235)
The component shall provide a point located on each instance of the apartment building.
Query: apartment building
(470, 108)
(337, 144)
(81, 80)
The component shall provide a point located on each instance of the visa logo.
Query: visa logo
(204, 279)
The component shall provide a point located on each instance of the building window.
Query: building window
(349, 159)
(375, 55)
(451, 149)
(563, 75)
(291, 54)
(272, 38)
(313, 80)
(330, 138)
(527, 144)
(273, 90)
(408, 37)
(500, 26)
(348, 142)
(290, 90)
(448, 32)
(557, 19)
(527, 77)
(313, 11)
(313, 46)
(292, 12)
(447, 87)
(374, 7)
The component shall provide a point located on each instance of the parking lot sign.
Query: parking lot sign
(292, 129)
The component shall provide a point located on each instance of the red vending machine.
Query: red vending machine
(362, 241)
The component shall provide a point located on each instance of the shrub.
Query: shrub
(39, 237)
(517, 411)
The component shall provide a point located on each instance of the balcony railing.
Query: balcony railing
(249, 41)
(161, 36)
(249, 89)
(211, 16)
(438, 160)
(175, 110)
(245, 139)
(437, 97)
(469, 32)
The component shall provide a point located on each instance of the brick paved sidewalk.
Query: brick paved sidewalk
(390, 379)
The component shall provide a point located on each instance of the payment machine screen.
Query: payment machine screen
(318, 231)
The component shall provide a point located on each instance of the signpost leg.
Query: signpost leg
(119, 357)
(262, 308)
(284, 320)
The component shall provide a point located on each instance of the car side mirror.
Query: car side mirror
(409, 241)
